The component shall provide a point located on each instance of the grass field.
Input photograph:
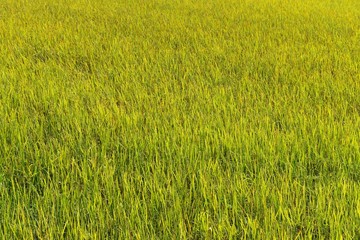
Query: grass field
(180, 119)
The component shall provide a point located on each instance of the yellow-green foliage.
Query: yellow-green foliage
(179, 119)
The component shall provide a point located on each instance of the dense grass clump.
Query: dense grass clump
(180, 119)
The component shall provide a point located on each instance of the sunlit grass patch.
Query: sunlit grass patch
(179, 119)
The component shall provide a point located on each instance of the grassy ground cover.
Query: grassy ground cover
(182, 119)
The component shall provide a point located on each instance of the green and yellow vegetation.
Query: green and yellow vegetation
(180, 119)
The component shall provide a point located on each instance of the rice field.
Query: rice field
(180, 119)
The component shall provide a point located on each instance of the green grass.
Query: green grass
(184, 119)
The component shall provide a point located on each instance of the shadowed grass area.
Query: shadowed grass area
(179, 119)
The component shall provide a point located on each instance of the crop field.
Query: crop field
(180, 119)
